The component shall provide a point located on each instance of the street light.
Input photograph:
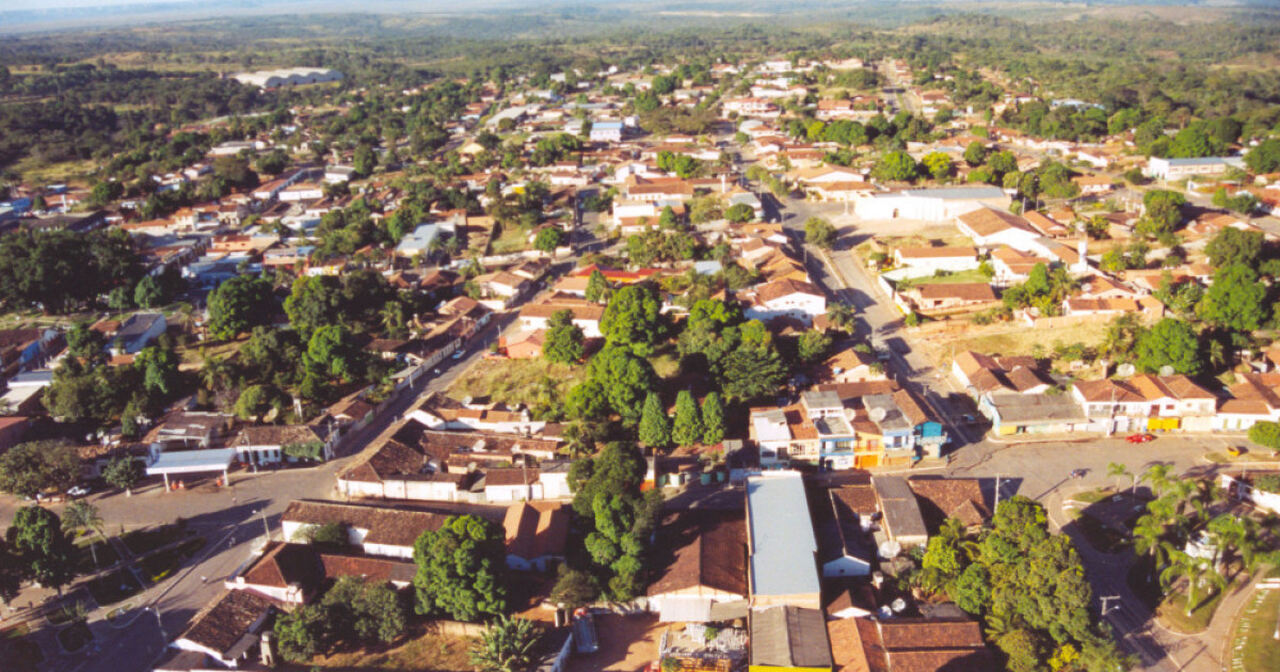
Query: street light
(266, 530)
(164, 639)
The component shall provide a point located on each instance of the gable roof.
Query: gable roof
(988, 221)
(787, 636)
(709, 550)
(223, 623)
(536, 529)
(942, 498)
(388, 526)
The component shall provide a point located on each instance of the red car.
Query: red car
(1140, 438)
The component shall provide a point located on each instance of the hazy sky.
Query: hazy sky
(49, 4)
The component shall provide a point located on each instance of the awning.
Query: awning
(192, 461)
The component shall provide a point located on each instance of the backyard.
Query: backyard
(428, 650)
(513, 381)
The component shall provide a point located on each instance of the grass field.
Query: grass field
(512, 239)
(39, 172)
(1092, 496)
(513, 381)
(1172, 612)
(961, 276)
(1254, 647)
(1018, 339)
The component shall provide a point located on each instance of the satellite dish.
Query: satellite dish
(1125, 370)
(889, 549)
(1034, 311)
(1166, 370)
(877, 414)
(898, 605)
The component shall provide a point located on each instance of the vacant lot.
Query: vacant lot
(426, 651)
(627, 644)
(513, 381)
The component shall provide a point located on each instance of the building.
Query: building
(788, 637)
(1178, 169)
(607, 131)
(931, 205)
(927, 261)
(375, 530)
(845, 545)
(782, 550)
(901, 520)
(270, 444)
(535, 535)
(989, 228)
(937, 298)
(137, 332)
(909, 644)
(229, 630)
(785, 298)
(1013, 413)
(274, 79)
(705, 578)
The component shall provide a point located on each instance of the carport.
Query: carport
(192, 462)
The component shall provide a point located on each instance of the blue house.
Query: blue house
(928, 432)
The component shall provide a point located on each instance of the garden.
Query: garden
(114, 587)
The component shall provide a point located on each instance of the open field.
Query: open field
(512, 239)
(39, 172)
(514, 381)
(426, 650)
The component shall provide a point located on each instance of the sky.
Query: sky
(53, 4)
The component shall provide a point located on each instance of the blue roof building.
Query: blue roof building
(782, 548)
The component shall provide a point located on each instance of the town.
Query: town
(853, 356)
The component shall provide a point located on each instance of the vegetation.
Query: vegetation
(461, 570)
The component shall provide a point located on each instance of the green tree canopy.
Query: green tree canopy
(895, 167)
(42, 548)
(633, 319)
(1235, 300)
(461, 569)
(37, 466)
(625, 379)
(563, 342)
(238, 305)
(655, 426)
(713, 422)
(687, 428)
(1170, 342)
(819, 232)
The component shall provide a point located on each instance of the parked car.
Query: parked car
(79, 491)
(1140, 438)
(458, 355)
(1078, 473)
(1237, 451)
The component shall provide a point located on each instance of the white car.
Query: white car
(78, 491)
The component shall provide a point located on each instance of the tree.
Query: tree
(625, 379)
(256, 401)
(122, 472)
(587, 401)
(1233, 246)
(563, 342)
(655, 426)
(713, 423)
(332, 353)
(81, 515)
(752, 373)
(598, 290)
(363, 610)
(1023, 650)
(633, 319)
(606, 492)
(1117, 469)
(364, 161)
(300, 634)
(1003, 162)
(238, 305)
(687, 428)
(895, 167)
(1195, 571)
(148, 293)
(460, 569)
(575, 588)
(819, 232)
(507, 645)
(273, 162)
(938, 164)
(42, 548)
(38, 466)
(548, 239)
(1265, 158)
(975, 154)
(1162, 212)
(1266, 434)
(1170, 342)
(1235, 300)
(812, 346)
(740, 213)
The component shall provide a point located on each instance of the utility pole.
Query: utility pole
(997, 491)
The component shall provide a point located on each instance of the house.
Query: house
(909, 644)
(1013, 413)
(607, 131)
(1254, 398)
(950, 297)
(785, 298)
(1014, 266)
(423, 237)
(535, 535)
(137, 332)
(1177, 169)
(943, 498)
(980, 373)
(1093, 185)
(927, 261)
(375, 530)
(703, 575)
(990, 228)
(781, 547)
(845, 547)
(1146, 403)
(401, 469)
(901, 519)
(525, 344)
(537, 316)
(853, 365)
(932, 205)
(783, 434)
(789, 637)
(229, 630)
(271, 444)
(513, 484)
(189, 429)
(439, 412)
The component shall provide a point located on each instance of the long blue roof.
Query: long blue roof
(783, 548)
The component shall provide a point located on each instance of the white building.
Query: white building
(931, 205)
(273, 79)
(1177, 169)
(786, 298)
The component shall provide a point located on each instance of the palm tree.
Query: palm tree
(392, 317)
(1148, 539)
(215, 371)
(1195, 571)
(1235, 535)
(1117, 469)
(81, 515)
(506, 645)
(1158, 475)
